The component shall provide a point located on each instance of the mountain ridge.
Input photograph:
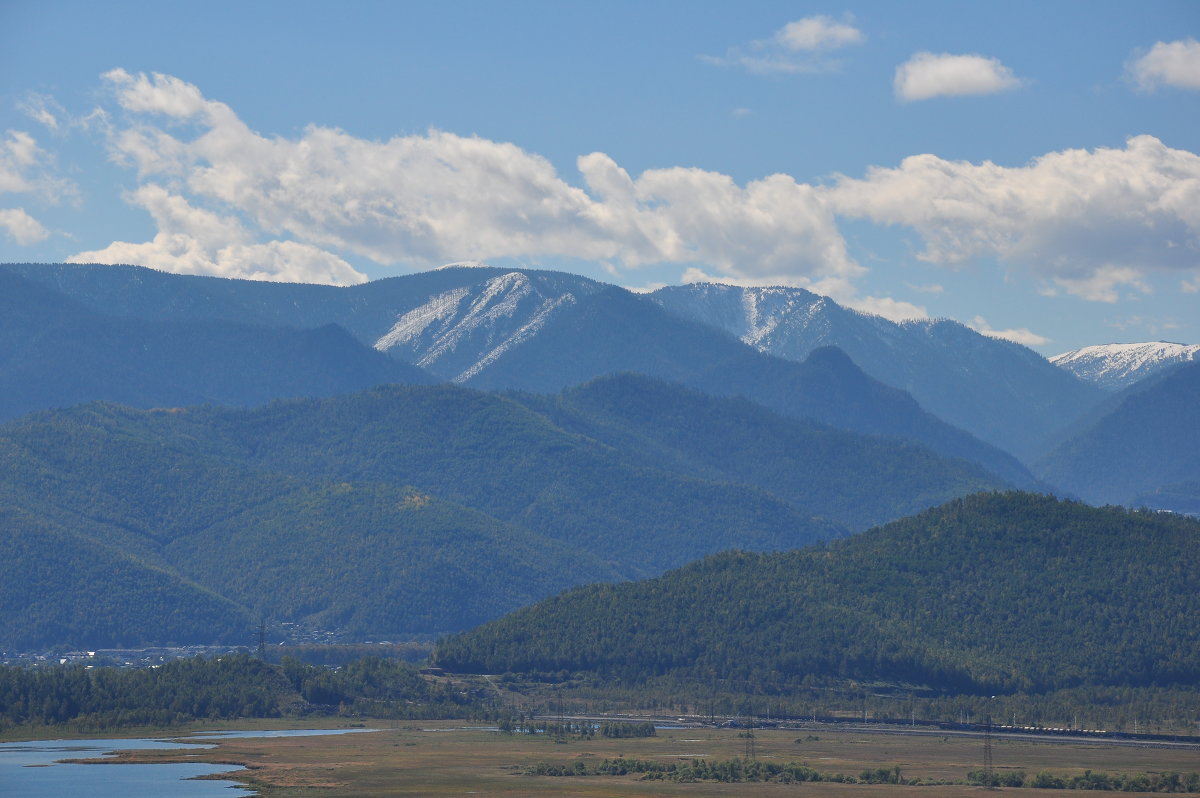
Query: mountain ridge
(1003, 393)
(1117, 366)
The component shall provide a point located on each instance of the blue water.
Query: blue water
(32, 770)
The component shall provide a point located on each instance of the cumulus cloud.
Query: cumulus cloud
(193, 240)
(927, 75)
(22, 227)
(428, 199)
(1021, 335)
(25, 168)
(797, 47)
(229, 200)
(1090, 221)
(1167, 64)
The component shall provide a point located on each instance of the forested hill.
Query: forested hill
(412, 508)
(857, 480)
(991, 593)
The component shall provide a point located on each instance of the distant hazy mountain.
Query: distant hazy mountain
(1149, 442)
(451, 321)
(55, 352)
(856, 480)
(1116, 366)
(999, 391)
(992, 593)
(528, 330)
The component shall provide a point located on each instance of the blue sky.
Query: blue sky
(1029, 169)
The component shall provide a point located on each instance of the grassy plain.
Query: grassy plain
(444, 758)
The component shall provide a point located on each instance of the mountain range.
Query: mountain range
(497, 330)
(423, 453)
(412, 509)
(74, 333)
(1001, 392)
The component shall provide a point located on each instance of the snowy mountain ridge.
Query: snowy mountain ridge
(1002, 392)
(1117, 366)
(461, 331)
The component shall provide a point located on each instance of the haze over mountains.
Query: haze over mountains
(469, 440)
(413, 509)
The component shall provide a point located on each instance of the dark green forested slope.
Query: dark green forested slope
(995, 592)
(426, 508)
(306, 511)
(112, 535)
(59, 587)
(497, 456)
(860, 480)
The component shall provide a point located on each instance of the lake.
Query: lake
(31, 769)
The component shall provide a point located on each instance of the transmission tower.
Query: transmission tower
(751, 754)
(988, 773)
(561, 737)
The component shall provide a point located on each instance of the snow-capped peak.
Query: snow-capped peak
(1116, 366)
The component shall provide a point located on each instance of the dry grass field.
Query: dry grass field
(444, 758)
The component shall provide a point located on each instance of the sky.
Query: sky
(1030, 169)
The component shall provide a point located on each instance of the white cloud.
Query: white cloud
(41, 108)
(25, 168)
(1103, 284)
(1190, 286)
(818, 33)
(1089, 221)
(1018, 336)
(17, 155)
(798, 47)
(428, 199)
(927, 75)
(1167, 64)
(773, 228)
(23, 228)
(192, 240)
